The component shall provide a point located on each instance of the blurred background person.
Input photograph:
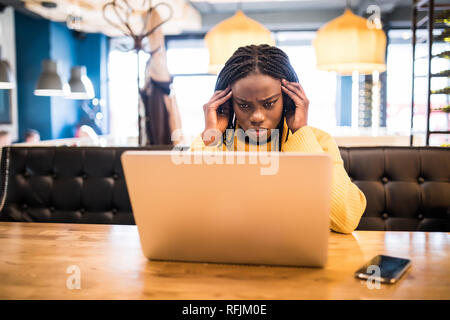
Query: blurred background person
(86, 134)
(5, 138)
(32, 136)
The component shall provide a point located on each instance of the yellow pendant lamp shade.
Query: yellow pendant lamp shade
(348, 44)
(224, 38)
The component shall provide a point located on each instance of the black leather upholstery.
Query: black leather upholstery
(406, 188)
(67, 184)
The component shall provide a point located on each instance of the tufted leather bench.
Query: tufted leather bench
(66, 184)
(406, 188)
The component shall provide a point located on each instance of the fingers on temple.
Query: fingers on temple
(293, 86)
(296, 89)
(291, 93)
(220, 93)
(225, 97)
(220, 100)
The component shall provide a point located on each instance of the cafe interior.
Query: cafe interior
(82, 82)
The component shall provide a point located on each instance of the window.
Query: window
(399, 86)
(123, 90)
(187, 59)
(398, 82)
(320, 86)
(188, 62)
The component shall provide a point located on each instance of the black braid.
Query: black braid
(263, 59)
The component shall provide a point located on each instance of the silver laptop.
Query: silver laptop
(231, 207)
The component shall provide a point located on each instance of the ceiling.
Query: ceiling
(88, 16)
(299, 14)
(253, 6)
(199, 16)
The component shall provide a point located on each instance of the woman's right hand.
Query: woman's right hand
(216, 122)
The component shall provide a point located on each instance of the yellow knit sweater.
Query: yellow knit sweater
(347, 200)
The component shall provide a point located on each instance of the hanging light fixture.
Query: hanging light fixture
(6, 76)
(353, 45)
(81, 87)
(49, 82)
(224, 38)
(350, 43)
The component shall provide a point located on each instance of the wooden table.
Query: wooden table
(35, 259)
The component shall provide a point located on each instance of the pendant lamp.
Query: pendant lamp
(81, 87)
(49, 82)
(350, 44)
(224, 38)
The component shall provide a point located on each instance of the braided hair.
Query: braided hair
(263, 59)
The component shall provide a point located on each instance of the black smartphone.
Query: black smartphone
(385, 269)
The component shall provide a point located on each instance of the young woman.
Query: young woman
(258, 91)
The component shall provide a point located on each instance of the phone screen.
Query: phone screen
(387, 269)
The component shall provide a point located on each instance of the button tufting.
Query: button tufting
(384, 180)
(84, 176)
(420, 216)
(385, 216)
(24, 206)
(115, 176)
(52, 209)
(114, 210)
(420, 180)
(82, 210)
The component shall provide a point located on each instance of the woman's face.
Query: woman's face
(258, 104)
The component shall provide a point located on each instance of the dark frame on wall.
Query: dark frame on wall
(5, 107)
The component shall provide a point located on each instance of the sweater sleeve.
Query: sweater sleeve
(347, 200)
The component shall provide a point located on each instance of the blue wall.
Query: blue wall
(38, 39)
(96, 65)
(32, 46)
(64, 112)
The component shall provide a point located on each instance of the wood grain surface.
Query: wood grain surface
(35, 259)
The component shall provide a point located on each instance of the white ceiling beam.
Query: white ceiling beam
(185, 17)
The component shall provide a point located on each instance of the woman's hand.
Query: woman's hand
(297, 118)
(216, 121)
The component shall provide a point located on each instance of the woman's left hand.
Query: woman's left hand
(297, 118)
